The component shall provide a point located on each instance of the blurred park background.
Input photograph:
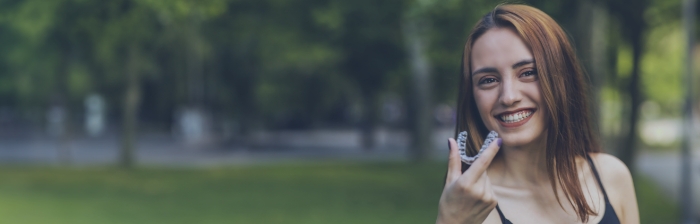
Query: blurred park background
(297, 111)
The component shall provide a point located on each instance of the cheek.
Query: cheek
(535, 91)
(535, 94)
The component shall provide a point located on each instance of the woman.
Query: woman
(520, 78)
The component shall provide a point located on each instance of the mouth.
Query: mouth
(516, 118)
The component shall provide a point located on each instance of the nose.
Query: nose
(510, 92)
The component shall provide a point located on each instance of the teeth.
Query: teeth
(519, 116)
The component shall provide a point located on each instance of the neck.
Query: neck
(525, 164)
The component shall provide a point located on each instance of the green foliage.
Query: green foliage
(274, 61)
(624, 61)
(34, 20)
(451, 23)
(662, 68)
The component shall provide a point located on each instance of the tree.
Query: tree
(51, 57)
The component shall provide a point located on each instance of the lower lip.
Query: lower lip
(515, 124)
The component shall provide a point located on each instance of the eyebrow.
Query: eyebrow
(492, 69)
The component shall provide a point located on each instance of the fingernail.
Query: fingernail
(499, 142)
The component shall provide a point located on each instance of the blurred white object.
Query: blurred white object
(94, 115)
(662, 132)
(193, 125)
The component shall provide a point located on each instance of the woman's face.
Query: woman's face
(506, 87)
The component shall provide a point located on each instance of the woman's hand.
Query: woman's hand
(468, 197)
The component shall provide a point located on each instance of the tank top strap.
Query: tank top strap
(503, 217)
(597, 177)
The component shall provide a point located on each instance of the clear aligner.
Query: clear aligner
(462, 143)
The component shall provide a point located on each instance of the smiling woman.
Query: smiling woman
(521, 79)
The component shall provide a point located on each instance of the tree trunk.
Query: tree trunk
(686, 188)
(369, 122)
(592, 46)
(61, 101)
(420, 103)
(132, 100)
(629, 145)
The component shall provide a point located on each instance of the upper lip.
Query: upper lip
(514, 111)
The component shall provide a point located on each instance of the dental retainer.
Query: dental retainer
(462, 143)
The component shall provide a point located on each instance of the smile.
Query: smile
(515, 119)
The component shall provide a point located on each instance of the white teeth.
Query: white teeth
(519, 116)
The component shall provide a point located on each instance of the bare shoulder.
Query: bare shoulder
(610, 168)
(617, 181)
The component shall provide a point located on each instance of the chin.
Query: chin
(522, 139)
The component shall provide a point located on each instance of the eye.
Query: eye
(487, 81)
(529, 73)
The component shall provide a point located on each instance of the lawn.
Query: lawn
(302, 193)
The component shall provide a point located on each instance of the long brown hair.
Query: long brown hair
(563, 88)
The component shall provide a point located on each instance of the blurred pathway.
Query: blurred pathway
(164, 150)
(664, 168)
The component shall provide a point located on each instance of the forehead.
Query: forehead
(498, 47)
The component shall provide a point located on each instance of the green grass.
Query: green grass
(320, 193)
(654, 207)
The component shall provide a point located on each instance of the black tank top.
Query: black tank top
(609, 215)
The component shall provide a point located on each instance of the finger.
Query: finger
(489, 196)
(454, 163)
(479, 166)
(483, 189)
